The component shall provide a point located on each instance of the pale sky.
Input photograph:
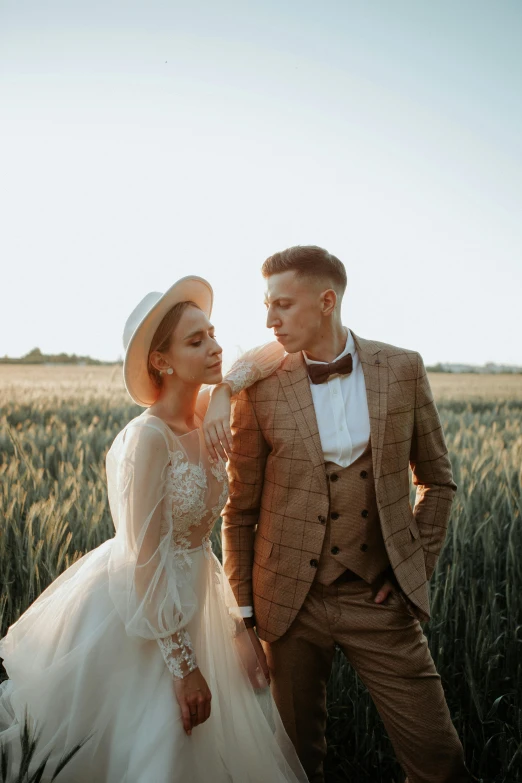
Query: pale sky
(143, 141)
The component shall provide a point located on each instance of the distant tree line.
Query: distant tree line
(485, 369)
(37, 357)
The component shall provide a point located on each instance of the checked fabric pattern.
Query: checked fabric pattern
(272, 529)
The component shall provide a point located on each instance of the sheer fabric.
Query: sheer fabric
(253, 365)
(94, 655)
(165, 495)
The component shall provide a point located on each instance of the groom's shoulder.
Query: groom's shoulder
(269, 388)
(394, 355)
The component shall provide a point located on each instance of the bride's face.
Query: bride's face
(194, 354)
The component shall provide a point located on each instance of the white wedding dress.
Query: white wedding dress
(94, 657)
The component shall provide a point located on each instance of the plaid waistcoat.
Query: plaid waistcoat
(353, 537)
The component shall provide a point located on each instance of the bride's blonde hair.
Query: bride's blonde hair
(162, 339)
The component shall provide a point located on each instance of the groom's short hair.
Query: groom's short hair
(308, 261)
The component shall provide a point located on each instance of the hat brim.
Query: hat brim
(136, 376)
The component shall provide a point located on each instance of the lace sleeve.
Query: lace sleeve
(253, 366)
(178, 654)
(149, 591)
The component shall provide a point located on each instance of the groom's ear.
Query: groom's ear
(328, 301)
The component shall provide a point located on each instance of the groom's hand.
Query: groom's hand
(260, 675)
(384, 592)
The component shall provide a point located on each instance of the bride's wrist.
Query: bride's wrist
(222, 388)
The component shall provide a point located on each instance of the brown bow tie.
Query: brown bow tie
(319, 373)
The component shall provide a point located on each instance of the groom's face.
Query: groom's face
(294, 310)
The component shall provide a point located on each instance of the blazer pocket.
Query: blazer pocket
(401, 408)
(406, 536)
(414, 530)
(262, 547)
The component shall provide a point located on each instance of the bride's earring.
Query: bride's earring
(170, 371)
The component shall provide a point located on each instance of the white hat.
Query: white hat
(141, 327)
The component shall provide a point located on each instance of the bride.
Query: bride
(139, 648)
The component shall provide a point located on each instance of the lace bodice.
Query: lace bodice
(196, 492)
(165, 495)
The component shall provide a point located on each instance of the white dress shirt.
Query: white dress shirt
(341, 409)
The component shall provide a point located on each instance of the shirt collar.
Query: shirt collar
(348, 348)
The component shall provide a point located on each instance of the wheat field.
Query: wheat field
(56, 424)
(33, 383)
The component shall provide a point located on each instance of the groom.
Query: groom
(320, 543)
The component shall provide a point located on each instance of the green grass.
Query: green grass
(26, 772)
(53, 509)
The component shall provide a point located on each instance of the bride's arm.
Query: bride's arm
(150, 593)
(252, 366)
(152, 599)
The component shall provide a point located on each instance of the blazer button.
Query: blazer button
(334, 515)
(364, 547)
(364, 474)
(364, 513)
(322, 519)
(314, 563)
(334, 477)
(335, 550)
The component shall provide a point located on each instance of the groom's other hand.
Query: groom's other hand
(261, 670)
(253, 658)
(386, 590)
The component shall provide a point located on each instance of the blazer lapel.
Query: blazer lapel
(375, 370)
(296, 387)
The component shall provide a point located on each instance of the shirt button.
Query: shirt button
(335, 550)
(364, 474)
(334, 477)
(334, 515)
(364, 547)
(314, 563)
(321, 519)
(364, 513)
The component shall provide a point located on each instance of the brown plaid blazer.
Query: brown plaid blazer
(278, 486)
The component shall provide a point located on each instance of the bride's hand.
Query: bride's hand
(216, 424)
(193, 695)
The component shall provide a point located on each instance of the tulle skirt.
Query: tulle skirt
(78, 676)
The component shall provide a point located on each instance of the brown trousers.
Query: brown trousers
(385, 645)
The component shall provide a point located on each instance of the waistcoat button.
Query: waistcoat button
(335, 550)
(364, 474)
(334, 477)
(334, 515)
(314, 563)
(364, 513)
(364, 547)
(321, 519)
